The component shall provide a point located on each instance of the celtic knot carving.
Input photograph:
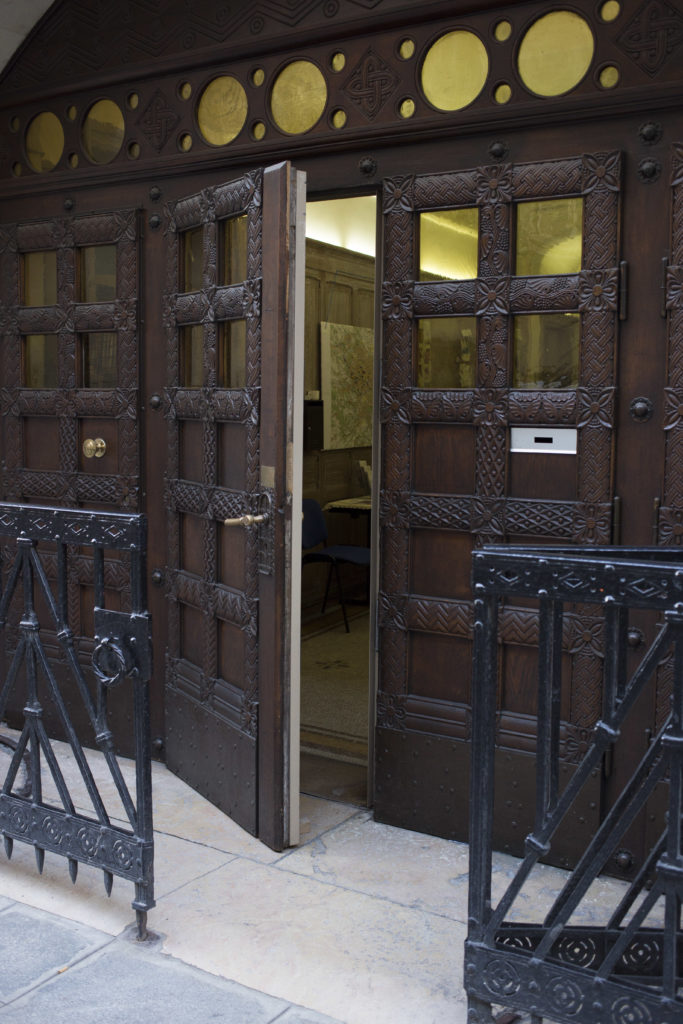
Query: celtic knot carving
(158, 121)
(370, 84)
(652, 35)
(598, 290)
(601, 172)
(391, 711)
(397, 196)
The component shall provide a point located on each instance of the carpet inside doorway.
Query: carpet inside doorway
(333, 780)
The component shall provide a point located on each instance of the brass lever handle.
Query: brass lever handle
(94, 447)
(245, 520)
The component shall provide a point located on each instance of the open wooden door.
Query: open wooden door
(233, 496)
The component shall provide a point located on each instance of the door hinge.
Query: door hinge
(656, 505)
(616, 519)
(623, 290)
(663, 286)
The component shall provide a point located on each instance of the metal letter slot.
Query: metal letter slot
(556, 440)
(94, 448)
(245, 520)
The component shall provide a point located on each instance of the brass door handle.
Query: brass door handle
(94, 447)
(245, 520)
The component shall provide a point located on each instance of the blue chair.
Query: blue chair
(313, 533)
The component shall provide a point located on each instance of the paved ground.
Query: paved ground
(361, 924)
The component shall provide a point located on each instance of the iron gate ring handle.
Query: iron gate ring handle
(109, 655)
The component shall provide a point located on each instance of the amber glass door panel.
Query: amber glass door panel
(511, 324)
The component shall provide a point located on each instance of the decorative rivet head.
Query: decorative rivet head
(649, 170)
(367, 166)
(155, 193)
(68, 204)
(650, 132)
(155, 221)
(498, 150)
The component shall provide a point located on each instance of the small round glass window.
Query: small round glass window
(222, 110)
(44, 142)
(298, 98)
(102, 133)
(455, 70)
(555, 53)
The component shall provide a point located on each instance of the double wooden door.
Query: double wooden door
(167, 339)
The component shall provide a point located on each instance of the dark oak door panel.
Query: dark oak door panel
(70, 375)
(506, 326)
(229, 317)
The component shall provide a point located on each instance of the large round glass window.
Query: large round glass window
(44, 142)
(102, 132)
(455, 70)
(222, 110)
(298, 98)
(555, 53)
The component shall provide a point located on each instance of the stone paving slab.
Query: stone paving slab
(35, 946)
(125, 982)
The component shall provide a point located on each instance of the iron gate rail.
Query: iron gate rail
(121, 650)
(630, 971)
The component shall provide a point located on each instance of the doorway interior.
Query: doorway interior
(337, 678)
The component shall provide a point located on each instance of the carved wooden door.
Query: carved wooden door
(230, 349)
(69, 396)
(500, 309)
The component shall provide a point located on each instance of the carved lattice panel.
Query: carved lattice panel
(427, 538)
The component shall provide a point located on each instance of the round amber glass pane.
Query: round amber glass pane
(609, 77)
(44, 142)
(298, 98)
(102, 133)
(503, 93)
(222, 110)
(610, 10)
(503, 31)
(555, 53)
(455, 70)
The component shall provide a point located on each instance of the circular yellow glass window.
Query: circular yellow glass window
(102, 132)
(455, 70)
(44, 142)
(555, 53)
(298, 98)
(222, 110)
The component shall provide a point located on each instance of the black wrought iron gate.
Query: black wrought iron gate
(34, 606)
(627, 969)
